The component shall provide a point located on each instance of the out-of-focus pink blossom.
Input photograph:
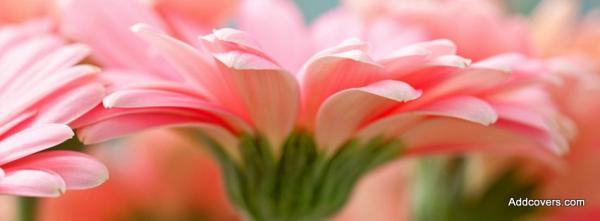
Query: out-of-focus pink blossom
(208, 12)
(423, 94)
(558, 31)
(12, 11)
(41, 92)
(158, 175)
(478, 27)
(578, 98)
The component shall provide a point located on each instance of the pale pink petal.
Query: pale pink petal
(20, 56)
(139, 120)
(36, 183)
(164, 95)
(327, 74)
(433, 136)
(78, 170)
(247, 84)
(270, 96)
(285, 37)
(340, 116)
(227, 39)
(468, 109)
(33, 140)
(59, 82)
(463, 107)
(94, 21)
(391, 126)
(195, 67)
(45, 68)
(65, 109)
(126, 98)
(407, 60)
(15, 121)
(470, 81)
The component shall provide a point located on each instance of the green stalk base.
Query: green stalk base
(302, 182)
(27, 209)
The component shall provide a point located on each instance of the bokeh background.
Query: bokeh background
(313, 8)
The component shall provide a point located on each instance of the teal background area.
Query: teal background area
(313, 8)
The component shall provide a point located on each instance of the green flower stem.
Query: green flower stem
(27, 208)
(439, 193)
(302, 182)
(439, 188)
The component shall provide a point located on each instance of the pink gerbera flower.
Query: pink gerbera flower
(294, 132)
(41, 92)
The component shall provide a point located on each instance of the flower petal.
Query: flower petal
(117, 123)
(339, 116)
(285, 38)
(35, 183)
(270, 96)
(32, 140)
(78, 170)
(326, 74)
(94, 21)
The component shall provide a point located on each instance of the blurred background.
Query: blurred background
(313, 8)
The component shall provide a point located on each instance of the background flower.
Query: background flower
(42, 92)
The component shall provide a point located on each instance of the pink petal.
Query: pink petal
(463, 107)
(339, 115)
(270, 96)
(36, 183)
(78, 170)
(58, 83)
(391, 126)
(50, 66)
(228, 40)
(5, 127)
(469, 109)
(327, 74)
(470, 81)
(142, 119)
(104, 26)
(422, 55)
(433, 136)
(32, 140)
(22, 56)
(285, 38)
(64, 109)
(163, 95)
(128, 98)
(245, 83)
(195, 67)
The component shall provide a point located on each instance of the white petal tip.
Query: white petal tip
(140, 27)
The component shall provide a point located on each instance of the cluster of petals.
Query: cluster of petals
(41, 92)
(231, 82)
